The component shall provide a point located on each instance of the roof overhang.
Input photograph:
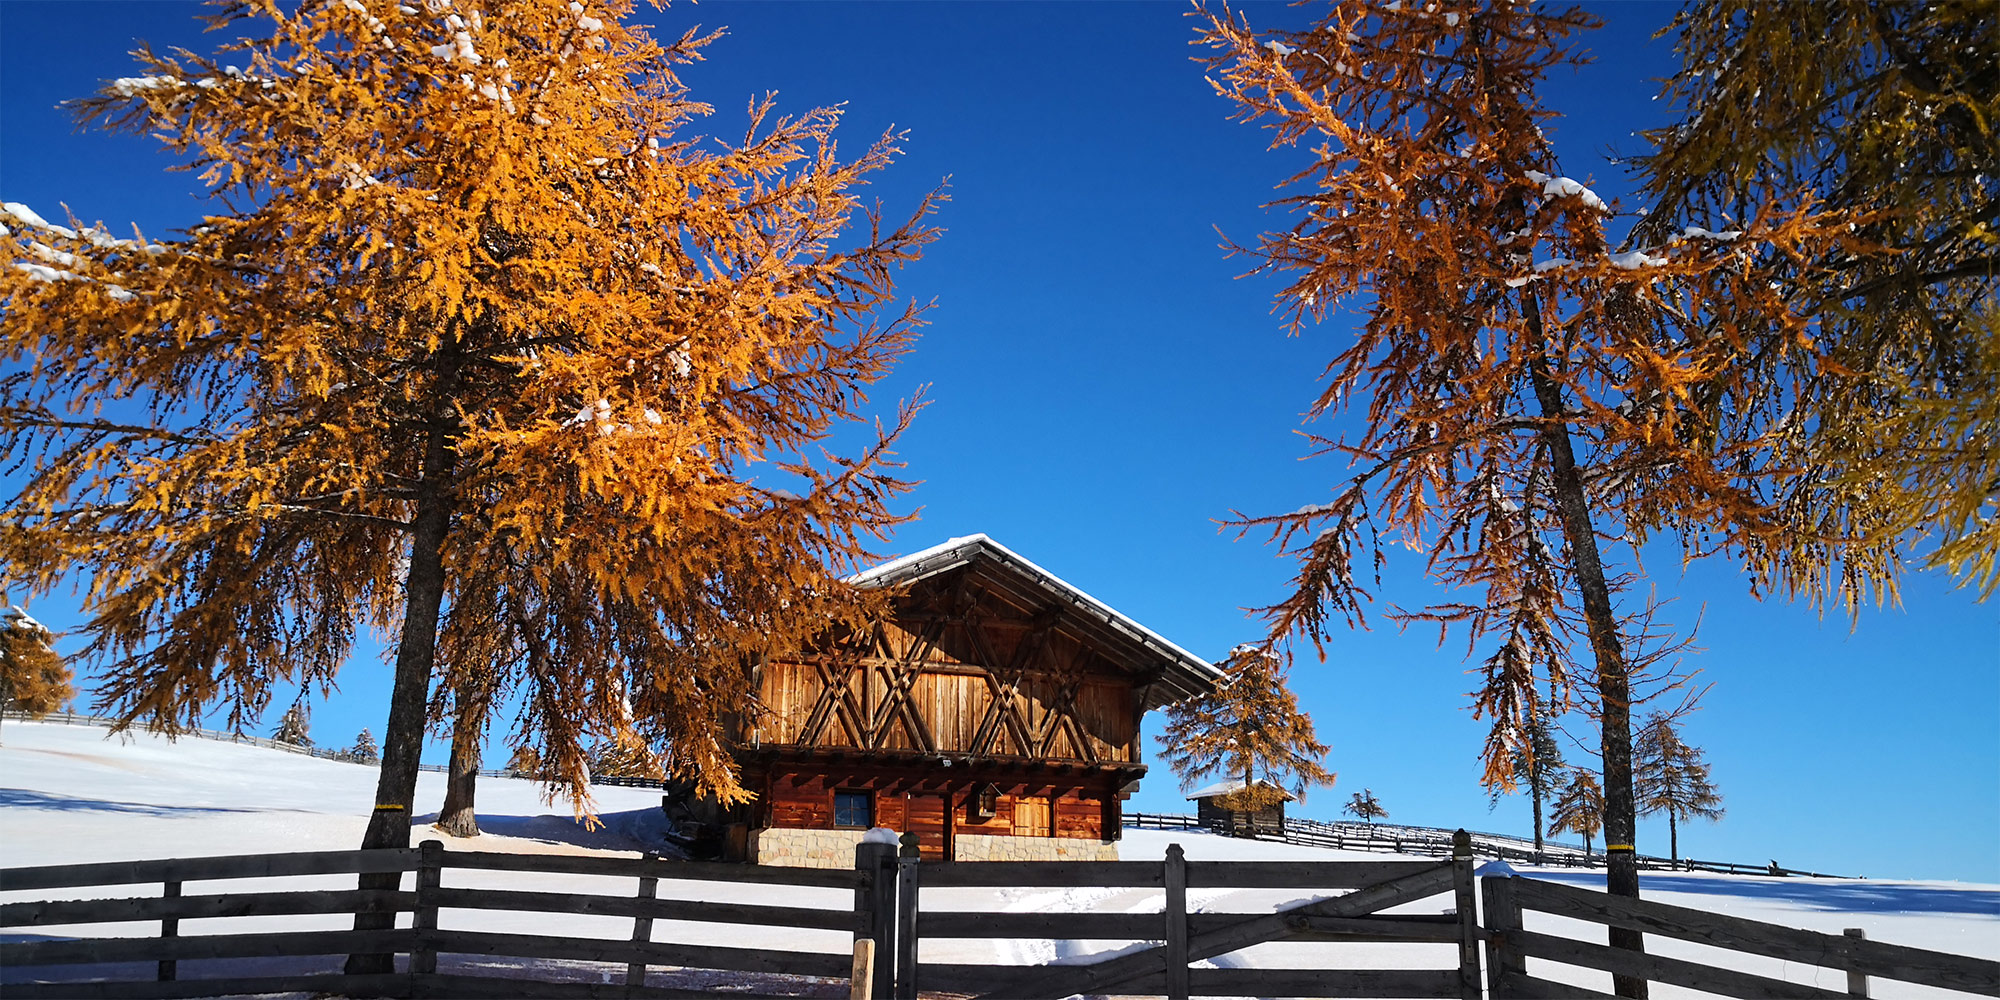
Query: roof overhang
(1173, 674)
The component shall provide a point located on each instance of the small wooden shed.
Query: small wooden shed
(995, 714)
(1216, 809)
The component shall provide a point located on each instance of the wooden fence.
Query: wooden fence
(881, 906)
(1509, 947)
(1437, 841)
(422, 939)
(1178, 937)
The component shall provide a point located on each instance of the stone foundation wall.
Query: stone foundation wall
(986, 847)
(835, 848)
(804, 848)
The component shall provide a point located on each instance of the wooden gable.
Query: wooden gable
(961, 669)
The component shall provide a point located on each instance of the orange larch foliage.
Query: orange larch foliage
(34, 680)
(1249, 727)
(481, 346)
(1532, 391)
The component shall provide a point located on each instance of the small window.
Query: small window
(855, 809)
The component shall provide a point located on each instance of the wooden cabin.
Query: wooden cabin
(1215, 809)
(995, 714)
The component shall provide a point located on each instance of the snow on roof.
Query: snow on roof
(957, 552)
(1228, 785)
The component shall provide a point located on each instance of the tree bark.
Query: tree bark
(1535, 793)
(416, 652)
(458, 817)
(1673, 839)
(1614, 687)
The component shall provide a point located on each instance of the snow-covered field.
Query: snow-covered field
(68, 794)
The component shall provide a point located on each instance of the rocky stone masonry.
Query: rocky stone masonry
(804, 848)
(835, 848)
(984, 847)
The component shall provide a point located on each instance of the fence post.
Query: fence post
(907, 862)
(423, 923)
(1468, 915)
(1503, 917)
(642, 927)
(876, 902)
(1857, 982)
(1175, 910)
(170, 927)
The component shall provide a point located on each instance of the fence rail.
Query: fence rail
(880, 904)
(343, 756)
(1436, 842)
(423, 940)
(1173, 937)
(1509, 946)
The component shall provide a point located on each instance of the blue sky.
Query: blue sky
(1105, 388)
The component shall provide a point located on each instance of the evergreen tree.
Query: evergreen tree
(34, 679)
(293, 728)
(485, 343)
(1890, 111)
(1579, 809)
(1363, 805)
(1536, 762)
(1672, 778)
(364, 750)
(1250, 726)
(1537, 399)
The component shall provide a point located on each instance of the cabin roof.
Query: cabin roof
(1228, 785)
(1182, 674)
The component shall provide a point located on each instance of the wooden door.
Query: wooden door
(928, 816)
(1032, 817)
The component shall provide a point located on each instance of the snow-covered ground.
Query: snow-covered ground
(68, 794)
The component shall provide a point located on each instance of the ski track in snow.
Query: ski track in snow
(70, 795)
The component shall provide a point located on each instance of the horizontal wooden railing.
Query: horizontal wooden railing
(1183, 936)
(880, 901)
(307, 749)
(1510, 946)
(1436, 842)
(422, 940)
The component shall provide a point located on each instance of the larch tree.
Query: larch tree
(526, 761)
(1534, 398)
(1364, 806)
(482, 346)
(1536, 761)
(622, 759)
(295, 727)
(34, 679)
(1250, 726)
(1673, 778)
(1579, 807)
(1892, 112)
(467, 709)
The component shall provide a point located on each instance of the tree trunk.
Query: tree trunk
(1673, 839)
(1614, 688)
(457, 817)
(1535, 793)
(403, 737)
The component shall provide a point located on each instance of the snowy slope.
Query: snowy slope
(67, 794)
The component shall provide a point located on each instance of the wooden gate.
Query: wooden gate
(1175, 936)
